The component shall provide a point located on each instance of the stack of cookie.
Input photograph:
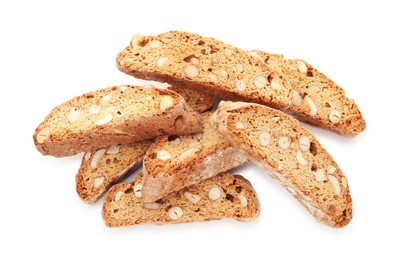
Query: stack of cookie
(186, 150)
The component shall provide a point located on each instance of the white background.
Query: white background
(52, 51)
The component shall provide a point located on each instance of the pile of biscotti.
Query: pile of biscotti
(186, 149)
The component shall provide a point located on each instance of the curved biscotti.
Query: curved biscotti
(114, 115)
(175, 162)
(102, 168)
(317, 99)
(222, 196)
(190, 60)
(291, 155)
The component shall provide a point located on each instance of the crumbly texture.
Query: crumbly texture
(114, 115)
(316, 98)
(222, 196)
(291, 155)
(204, 63)
(175, 162)
(198, 100)
(100, 169)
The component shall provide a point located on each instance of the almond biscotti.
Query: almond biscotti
(316, 99)
(222, 196)
(102, 168)
(291, 155)
(174, 162)
(114, 115)
(190, 60)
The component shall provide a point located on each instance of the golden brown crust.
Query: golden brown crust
(291, 155)
(104, 117)
(231, 197)
(204, 63)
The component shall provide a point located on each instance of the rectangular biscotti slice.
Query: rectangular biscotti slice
(317, 99)
(102, 168)
(222, 196)
(190, 60)
(291, 155)
(175, 162)
(114, 115)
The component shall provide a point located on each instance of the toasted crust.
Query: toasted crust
(334, 111)
(291, 155)
(112, 115)
(116, 162)
(175, 162)
(237, 200)
(204, 63)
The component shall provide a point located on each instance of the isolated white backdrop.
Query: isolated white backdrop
(51, 51)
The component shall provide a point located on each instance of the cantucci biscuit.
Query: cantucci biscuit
(204, 63)
(222, 196)
(290, 154)
(100, 169)
(114, 115)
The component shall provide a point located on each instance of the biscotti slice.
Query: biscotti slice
(291, 155)
(317, 99)
(102, 168)
(114, 115)
(190, 60)
(198, 100)
(175, 162)
(222, 196)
